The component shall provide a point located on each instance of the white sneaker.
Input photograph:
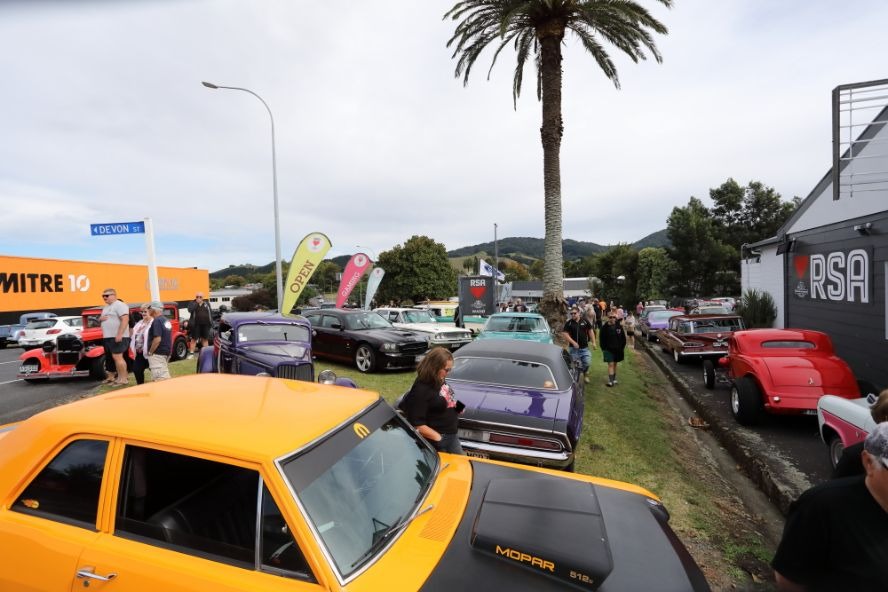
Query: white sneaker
(190, 357)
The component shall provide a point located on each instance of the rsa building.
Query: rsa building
(827, 267)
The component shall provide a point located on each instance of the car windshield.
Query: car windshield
(359, 484)
(662, 315)
(515, 324)
(272, 332)
(43, 324)
(365, 320)
(418, 316)
(502, 371)
(715, 325)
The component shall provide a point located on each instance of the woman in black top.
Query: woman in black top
(430, 405)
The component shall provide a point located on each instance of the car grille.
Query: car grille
(295, 372)
(69, 349)
(413, 348)
(454, 335)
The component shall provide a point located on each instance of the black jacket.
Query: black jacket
(612, 337)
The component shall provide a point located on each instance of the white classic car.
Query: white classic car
(844, 422)
(423, 321)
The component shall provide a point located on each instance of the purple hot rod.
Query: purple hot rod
(523, 402)
(260, 343)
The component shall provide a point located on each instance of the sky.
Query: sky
(103, 119)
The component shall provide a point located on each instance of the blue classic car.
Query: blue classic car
(260, 343)
(523, 402)
(528, 326)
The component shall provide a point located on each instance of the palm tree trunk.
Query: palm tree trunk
(552, 305)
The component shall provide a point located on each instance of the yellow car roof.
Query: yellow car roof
(246, 417)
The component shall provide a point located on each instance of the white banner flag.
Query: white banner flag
(484, 268)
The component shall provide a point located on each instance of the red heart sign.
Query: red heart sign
(478, 291)
(801, 265)
(316, 242)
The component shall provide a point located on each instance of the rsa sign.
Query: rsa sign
(836, 276)
(476, 295)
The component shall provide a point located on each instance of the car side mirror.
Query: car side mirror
(336, 326)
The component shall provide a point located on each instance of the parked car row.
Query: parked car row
(776, 371)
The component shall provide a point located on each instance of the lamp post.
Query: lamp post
(277, 222)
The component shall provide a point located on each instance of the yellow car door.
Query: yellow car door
(181, 520)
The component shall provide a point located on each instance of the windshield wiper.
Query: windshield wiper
(388, 534)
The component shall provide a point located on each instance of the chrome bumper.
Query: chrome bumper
(541, 458)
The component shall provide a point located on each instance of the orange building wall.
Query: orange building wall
(28, 284)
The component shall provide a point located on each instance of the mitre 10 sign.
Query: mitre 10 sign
(476, 295)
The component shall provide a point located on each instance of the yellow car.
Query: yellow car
(220, 483)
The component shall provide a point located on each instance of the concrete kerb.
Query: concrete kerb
(781, 494)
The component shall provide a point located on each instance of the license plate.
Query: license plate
(419, 358)
(476, 454)
(809, 412)
(27, 369)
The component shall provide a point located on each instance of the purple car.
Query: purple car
(523, 402)
(654, 321)
(254, 343)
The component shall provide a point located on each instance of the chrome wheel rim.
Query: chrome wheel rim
(735, 400)
(362, 359)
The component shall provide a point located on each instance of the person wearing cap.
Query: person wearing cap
(612, 340)
(578, 332)
(836, 533)
(850, 463)
(115, 337)
(199, 323)
(160, 343)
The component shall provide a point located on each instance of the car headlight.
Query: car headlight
(389, 347)
(438, 337)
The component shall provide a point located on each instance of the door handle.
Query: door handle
(88, 573)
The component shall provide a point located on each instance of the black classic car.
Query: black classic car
(365, 339)
(260, 343)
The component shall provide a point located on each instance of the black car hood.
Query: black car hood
(393, 335)
(523, 530)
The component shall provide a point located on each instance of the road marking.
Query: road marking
(11, 362)
(11, 381)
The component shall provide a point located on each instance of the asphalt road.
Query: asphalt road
(19, 400)
(784, 454)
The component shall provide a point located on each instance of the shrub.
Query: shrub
(757, 309)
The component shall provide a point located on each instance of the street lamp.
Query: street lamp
(277, 222)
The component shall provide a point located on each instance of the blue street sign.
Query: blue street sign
(117, 228)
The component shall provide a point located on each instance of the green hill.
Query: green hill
(524, 249)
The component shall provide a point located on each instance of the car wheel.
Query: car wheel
(97, 368)
(746, 401)
(34, 366)
(365, 358)
(709, 374)
(676, 355)
(836, 447)
(570, 468)
(180, 350)
(2, 344)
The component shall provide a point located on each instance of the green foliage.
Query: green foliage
(747, 214)
(696, 250)
(757, 309)
(470, 265)
(417, 271)
(515, 272)
(655, 268)
(260, 298)
(612, 265)
(536, 269)
(234, 280)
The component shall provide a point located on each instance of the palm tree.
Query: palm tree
(537, 27)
